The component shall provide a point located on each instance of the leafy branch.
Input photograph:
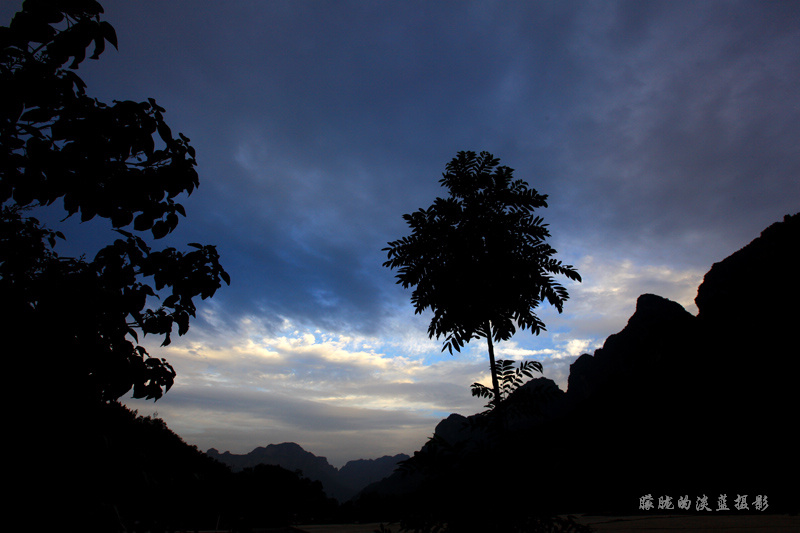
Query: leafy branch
(116, 161)
(510, 379)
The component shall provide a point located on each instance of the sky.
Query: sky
(666, 134)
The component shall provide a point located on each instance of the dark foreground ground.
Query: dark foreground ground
(649, 524)
(722, 523)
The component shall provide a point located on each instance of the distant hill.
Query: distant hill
(673, 405)
(340, 484)
(118, 471)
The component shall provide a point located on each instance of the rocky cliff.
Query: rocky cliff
(672, 405)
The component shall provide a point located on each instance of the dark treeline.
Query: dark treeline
(132, 473)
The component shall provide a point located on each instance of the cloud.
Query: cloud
(603, 302)
(685, 124)
(292, 383)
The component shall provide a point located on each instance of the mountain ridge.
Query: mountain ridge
(673, 404)
(341, 484)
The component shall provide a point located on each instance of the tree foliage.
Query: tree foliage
(510, 378)
(116, 161)
(478, 259)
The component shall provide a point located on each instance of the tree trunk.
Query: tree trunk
(495, 382)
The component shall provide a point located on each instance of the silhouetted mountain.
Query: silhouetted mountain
(672, 405)
(658, 329)
(355, 475)
(288, 455)
(340, 484)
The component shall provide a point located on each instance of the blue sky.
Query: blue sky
(666, 134)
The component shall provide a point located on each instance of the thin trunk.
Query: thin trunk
(495, 382)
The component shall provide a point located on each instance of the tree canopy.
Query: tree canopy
(478, 259)
(79, 318)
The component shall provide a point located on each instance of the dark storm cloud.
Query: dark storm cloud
(691, 127)
(655, 127)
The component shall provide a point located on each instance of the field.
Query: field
(649, 524)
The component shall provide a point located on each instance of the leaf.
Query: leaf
(160, 229)
(79, 55)
(164, 132)
(109, 33)
(142, 222)
(99, 47)
(171, 222)
(183, 323)
(121, 218)
(171, 300)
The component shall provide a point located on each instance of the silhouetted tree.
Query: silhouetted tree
(72, 319)
(478, 258)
